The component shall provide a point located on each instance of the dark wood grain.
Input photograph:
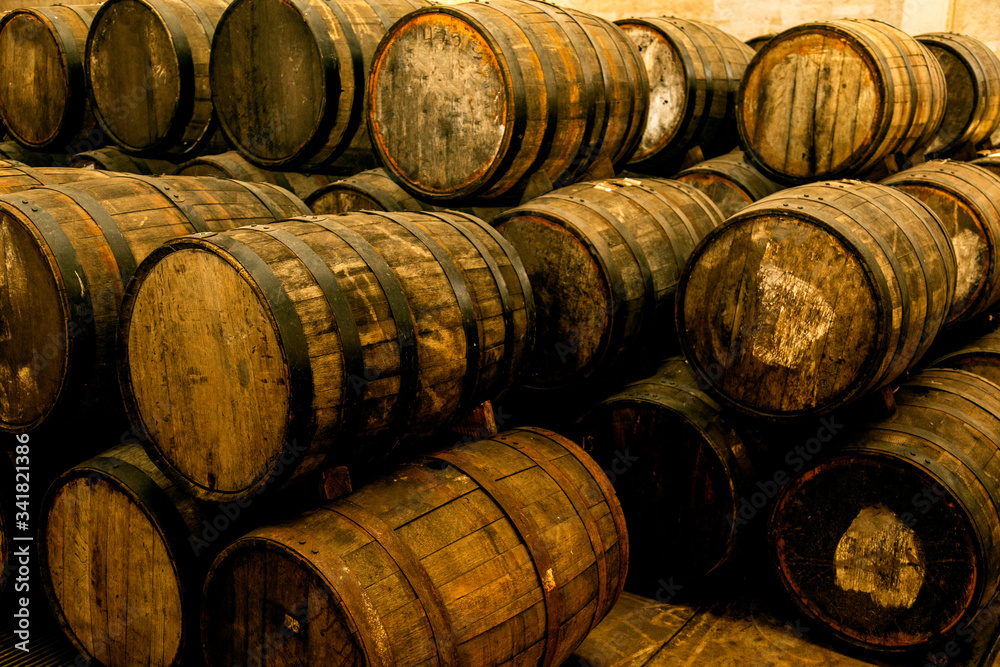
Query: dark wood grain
(730, 181)
(233, 165)
(43, 91)
(501, 551)
(893, 541)
(329, 338)
(836, 98)
(500, 93)
(814, 297)
(111, 158)
(694, 74)
(603, 258)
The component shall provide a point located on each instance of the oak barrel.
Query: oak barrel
(15, 176)
(119, 550)
(972, 73)
(603, 258)
(43, 88)
(895, 539)
(69, 252)
(293, 94)
(835, 98)
(730, 181)
(111, 158)
(232, 165)
(980, 356)
(500, 92)
(694, 74)
(374, 190)
(501, 551)
(337, 337)
(758, 42)
(147, 69)
(966, 198)
(813, 297)
(680, 470)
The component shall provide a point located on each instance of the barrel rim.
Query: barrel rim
(850, 459)
(162, 515)
(951, 46)
(880, 124)
(73, 69)
(513, 114)
(299, 388)
(867, 372)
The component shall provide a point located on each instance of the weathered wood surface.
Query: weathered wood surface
(17, 176)
(327, 337)
(966, 198)
(980, 355)
(972, 74)
(118, 565)
(233, 165)
(501, 551)
(893, 541)
(374, 190)
(604, 258)
(500, 92)
(147, 69)
(680, 470)
(289, 79)
(758, 42)
(43, 88)
(836, 98)
(111, 158)
(694, 72)
(814, 297)
(65, 261)
(730, 181)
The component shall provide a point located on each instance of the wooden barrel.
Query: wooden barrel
(391, 324)
(967, 200)
(111, 158)
(233, 165)
(11, 150)
(502, 92)
(15, 176)
(43, 97)
(679, 468)
(835, 98)
(70, 251)
(813, 297)
(895, 539)
(980, 356)
(147, 68)
(758, 42)
(603, 258)
(972, 73)
(374, 190)
(294, 94)
(694, 74)
(121, 560)
(502, 551)
(730, 181)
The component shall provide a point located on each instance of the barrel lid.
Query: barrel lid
(35, 108)
(111, 573)
(782, 314)
(35, 329)
(140, 71)
(875, 546)
(209, 342)
(440, 65)
(798, 127)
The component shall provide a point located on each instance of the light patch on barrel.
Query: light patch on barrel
(881, 556)
(969, 249)
(667, 88)
(792, 316)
